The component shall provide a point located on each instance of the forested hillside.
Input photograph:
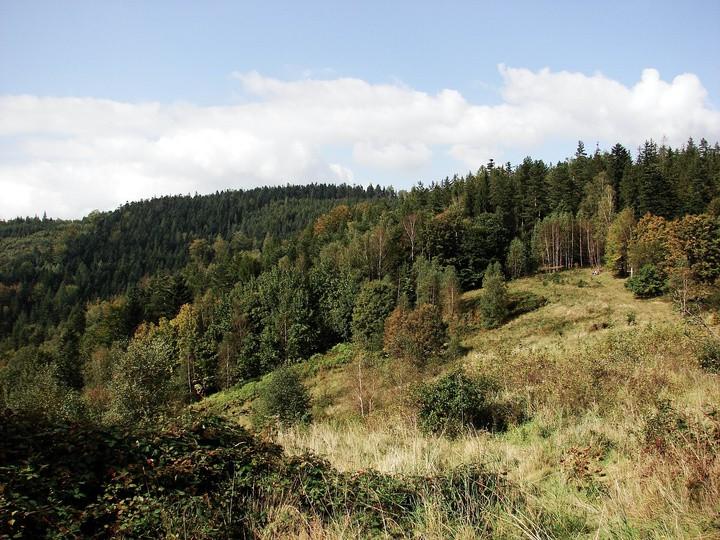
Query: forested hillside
(47, 266)
(129, 316)
(299, 255)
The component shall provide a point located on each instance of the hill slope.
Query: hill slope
(622, 433)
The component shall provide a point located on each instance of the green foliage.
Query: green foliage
(494, 301)
(429, 281)
(143, 383)
(203, 478)
(335, 291)
(650, 243)
(372, 306)
(516, 262)
(285, 314)
(699, 239)
(468, 245)
(457, 402)
(273, 322)
(282, 398)
(647, 283)
(709, 356)
(655, 195)
(619, 237)
(438, 286)
(30, 386)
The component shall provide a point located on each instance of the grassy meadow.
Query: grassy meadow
(617, 432)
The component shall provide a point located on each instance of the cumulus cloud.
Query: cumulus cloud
(71, 155)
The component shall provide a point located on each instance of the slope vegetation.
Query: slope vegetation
(618, 435)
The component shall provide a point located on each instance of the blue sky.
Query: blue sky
(101, 102)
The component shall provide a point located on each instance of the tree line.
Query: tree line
(168, 300)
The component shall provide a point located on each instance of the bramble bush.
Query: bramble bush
(201, 477)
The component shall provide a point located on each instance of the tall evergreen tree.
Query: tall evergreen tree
(655, 195)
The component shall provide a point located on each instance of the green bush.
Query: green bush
(457, 402)
(647, 283)
(494, 304)
(373, 305)
(283, 398)
(709, 356)
(203, 477)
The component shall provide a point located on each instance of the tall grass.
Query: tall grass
(622, 441)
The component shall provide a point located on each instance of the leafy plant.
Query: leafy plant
(664, 426)
(200, 477)
(374, 303)
(457, 402)
(647, 283)
(283, 398)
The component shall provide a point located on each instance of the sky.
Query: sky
(114, 101)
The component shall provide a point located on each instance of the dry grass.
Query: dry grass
(586, 465)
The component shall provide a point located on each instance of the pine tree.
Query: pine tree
(618, 162)
(494, 302)
(655, 195)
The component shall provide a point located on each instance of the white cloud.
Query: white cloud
(70, 155)
(392, 156)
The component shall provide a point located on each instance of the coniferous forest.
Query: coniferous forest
(129, 337)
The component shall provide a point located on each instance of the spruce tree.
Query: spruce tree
(494, 301)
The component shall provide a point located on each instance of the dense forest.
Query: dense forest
(273, 275)
(126, 316)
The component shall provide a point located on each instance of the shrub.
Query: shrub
(494, 301)
(664, 426)
(177, 480)
(142, 384)
(457, 402)
(647, 283)
(29, 386)
(283, 398)
(709, 356)
(415, 335)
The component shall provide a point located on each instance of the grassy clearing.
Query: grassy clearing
(623, 439)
